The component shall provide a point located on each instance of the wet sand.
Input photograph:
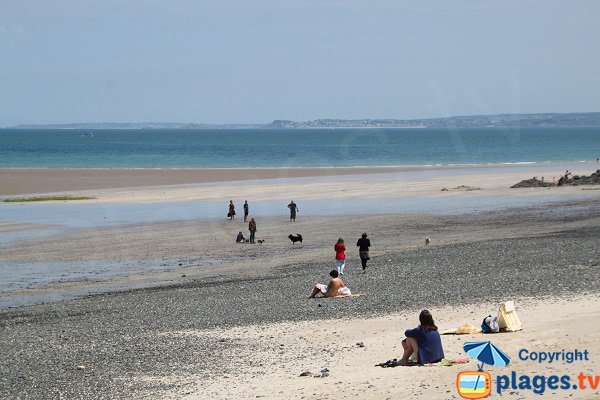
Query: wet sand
(210, 318)
(148, 236)
(29, 181)
(36, 181)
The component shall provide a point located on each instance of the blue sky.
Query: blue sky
(255, 61)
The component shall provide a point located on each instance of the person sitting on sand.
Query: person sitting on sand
(240, 238)
(424, 340)
(336, 287)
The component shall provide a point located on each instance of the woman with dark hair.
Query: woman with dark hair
(424, 341)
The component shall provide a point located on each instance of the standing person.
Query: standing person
(363, 250)
(231, 212)
(424, 340)
(340, 256)
(293, 209)
(246, 210)
(252, 229)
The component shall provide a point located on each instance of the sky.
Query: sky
(257, 61)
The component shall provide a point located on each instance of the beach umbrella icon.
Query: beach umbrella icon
(486, 353)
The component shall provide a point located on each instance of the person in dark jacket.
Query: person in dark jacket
(424, 340)
(240, 238)
(231, 213)
(363, 250)
(246, 211)
(293, 210)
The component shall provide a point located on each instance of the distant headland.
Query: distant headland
(469, 121)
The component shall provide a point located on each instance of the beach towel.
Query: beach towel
(349, 295)
(448, 362)
(508, 320)
(464, 329)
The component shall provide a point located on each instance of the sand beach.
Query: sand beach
(153, 299)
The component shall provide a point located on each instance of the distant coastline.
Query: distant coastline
(588, 119)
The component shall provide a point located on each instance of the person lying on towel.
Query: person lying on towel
(335, 288)
(424, 341)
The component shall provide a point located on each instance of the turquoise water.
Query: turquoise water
(293, 148)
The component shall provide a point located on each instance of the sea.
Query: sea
(252, 148)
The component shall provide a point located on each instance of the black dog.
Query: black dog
(297, 238)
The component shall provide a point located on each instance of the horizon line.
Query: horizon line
(212, 125)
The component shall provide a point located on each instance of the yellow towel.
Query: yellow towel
(464, 329)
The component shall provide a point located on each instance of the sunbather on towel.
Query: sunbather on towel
(335, 288)
(424, 340)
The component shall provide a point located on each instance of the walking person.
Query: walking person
(363, 250)
(252, 229)
(340, 256)
(231, 213)
(246, 210)
(293, 209)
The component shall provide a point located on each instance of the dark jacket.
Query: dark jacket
(363, 244)
(430, 344)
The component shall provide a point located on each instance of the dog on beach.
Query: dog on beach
(297, 238)
(427, 241)
(260, 241)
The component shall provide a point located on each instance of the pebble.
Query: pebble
(121, 334)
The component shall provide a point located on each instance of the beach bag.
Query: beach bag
(490, 325)
(508, 320)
